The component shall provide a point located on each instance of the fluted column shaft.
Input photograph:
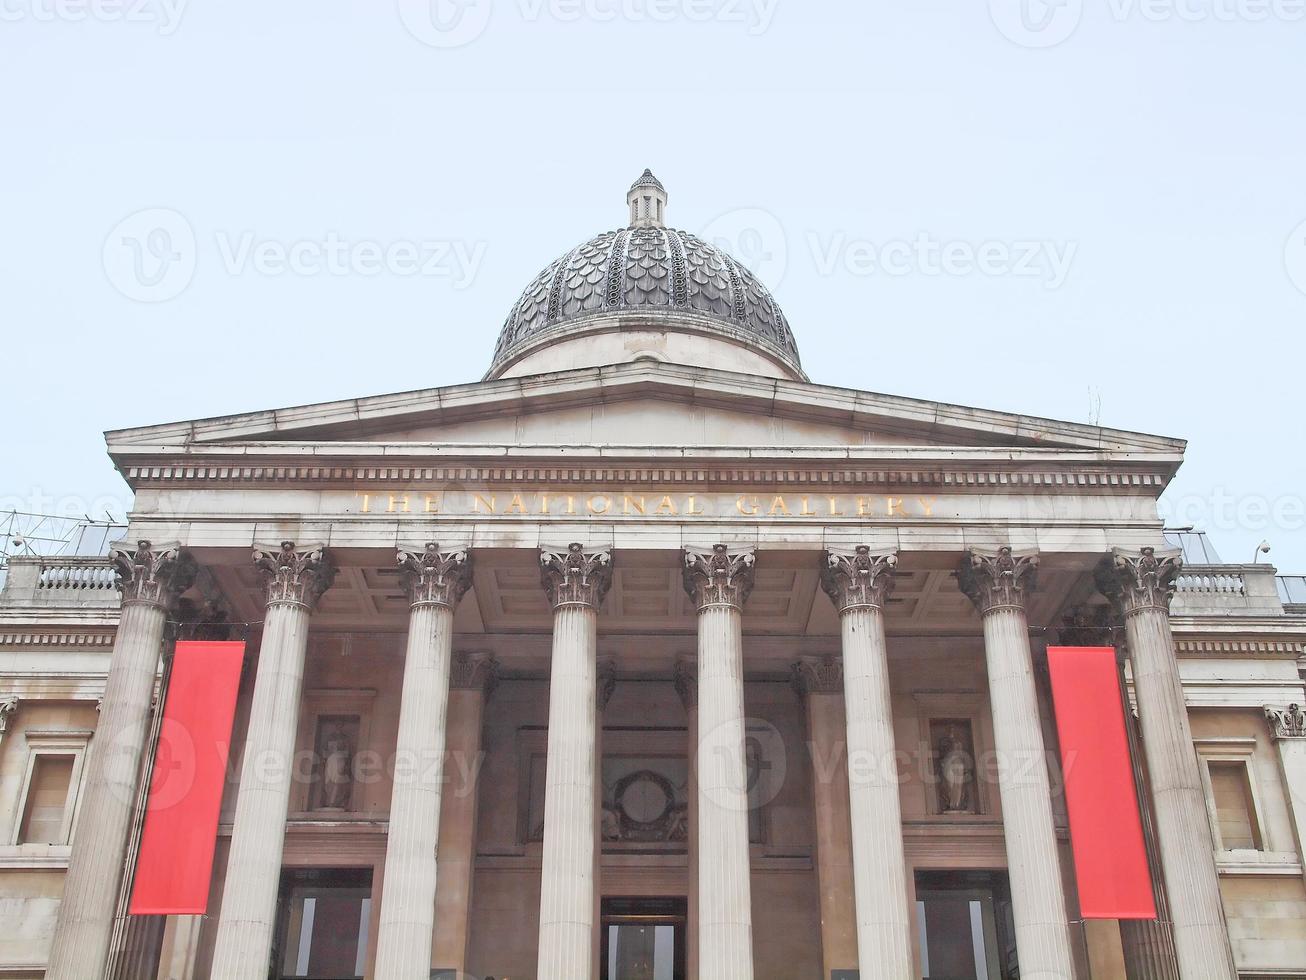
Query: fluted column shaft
(434, 582)
(295, 580)
(150, 580)
(1141, 585)
(998, 584)
(575, 582)
(859, 584)
(719, 582)
(567, 885)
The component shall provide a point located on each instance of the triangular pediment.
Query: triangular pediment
(641, 404)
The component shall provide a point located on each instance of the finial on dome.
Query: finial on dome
(648, 201)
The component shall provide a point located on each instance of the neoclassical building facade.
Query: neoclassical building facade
(646, 658)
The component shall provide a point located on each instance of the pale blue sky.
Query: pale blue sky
(1137, 191)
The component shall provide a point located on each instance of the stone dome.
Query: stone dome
(647, 278)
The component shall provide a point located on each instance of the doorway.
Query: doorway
(964, 926)
(643, 939)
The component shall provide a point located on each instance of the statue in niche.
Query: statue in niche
(337, 770)
(956, 773)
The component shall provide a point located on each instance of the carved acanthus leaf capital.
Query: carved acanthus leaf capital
(818, 675)
(293, 577)
(1289, 722)
(720, 577)
(858, 579)
(474, 672)
(152, 576)
(576, 577)
(1135, 581)
(686, 681)
(435, 577)
(1002, 580)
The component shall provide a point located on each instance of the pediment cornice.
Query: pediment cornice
(357, 420)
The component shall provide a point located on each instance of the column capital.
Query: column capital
(1135, 581)
(8, 705)
(686, 681)
(858, 579)
(720, 577)
(575, 577)
(1001, 580)
(605, 681)
(818, 675)
(474, 672)
(152, 576)
(1289, 722)
(433, 577)
(295, 577)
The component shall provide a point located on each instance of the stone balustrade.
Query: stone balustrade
(75, 581)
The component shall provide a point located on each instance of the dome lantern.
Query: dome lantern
(646, 291)
(647, 199)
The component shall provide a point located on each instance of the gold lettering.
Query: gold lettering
(397, 501)
(806, 511)
(367, 502)
(893, 507)
(544, 503)
(691, 511)
(607, 503)
(571, 504)
(629, 503)
(432, 505)
(666, 506)
(516, 505)
(479, 501)
(927, 505)
(778, 506)
(865, 507)
(740, 505)
(834, 507)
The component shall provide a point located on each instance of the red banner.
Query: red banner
(190, 766)
(1106, 830)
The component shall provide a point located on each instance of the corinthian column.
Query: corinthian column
(434, 581)
(859, 584)
(576, 582)
(1141, 585)
(151, 580)
(719, 582)
(998, 586)
(294, 580)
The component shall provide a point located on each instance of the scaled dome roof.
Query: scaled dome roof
(677, 278)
